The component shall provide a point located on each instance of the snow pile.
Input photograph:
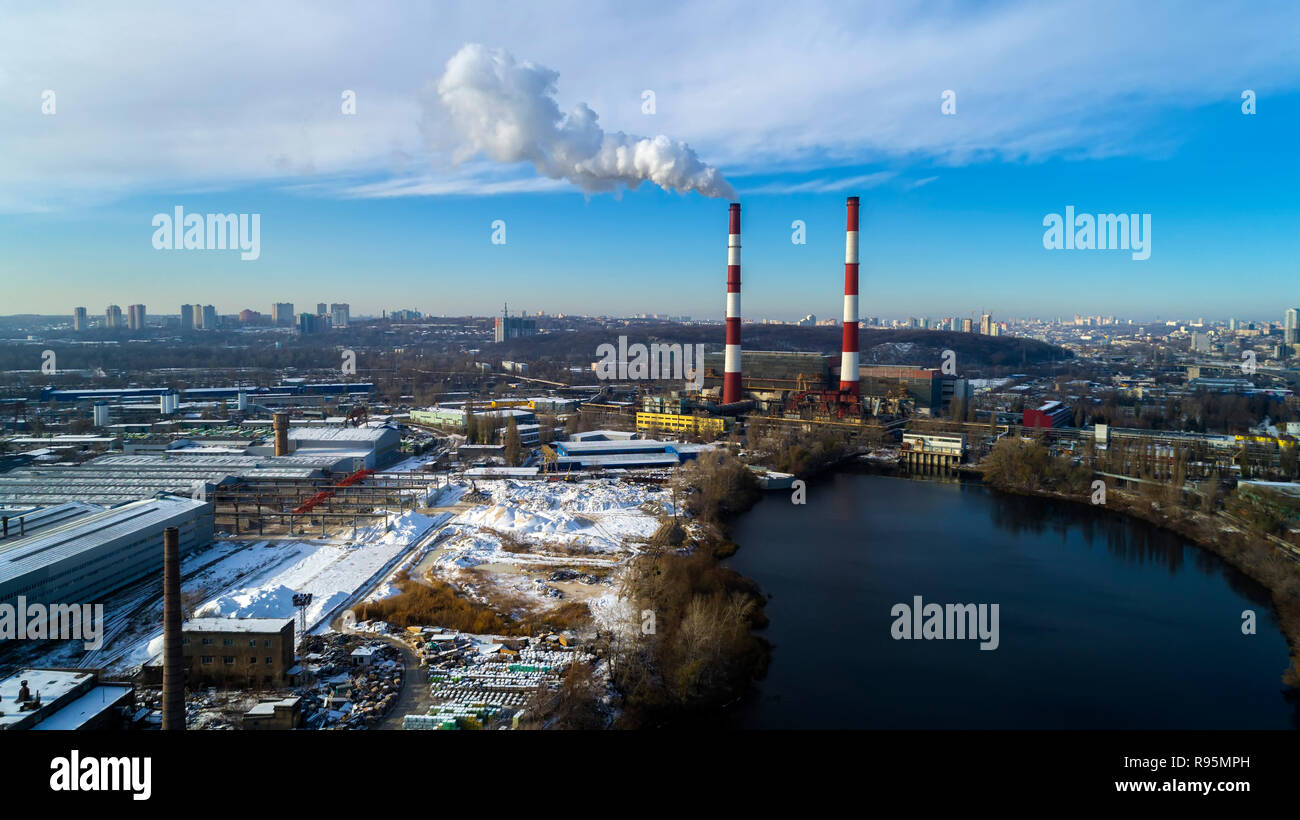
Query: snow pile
(272, 601)
(594, 522)
(445, 496)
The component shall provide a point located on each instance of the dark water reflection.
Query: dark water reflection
(1105, 622)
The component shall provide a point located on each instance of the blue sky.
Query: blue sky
(388, 209)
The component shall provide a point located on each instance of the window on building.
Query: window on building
(228, 659)
(253, 643)
(207, 642)
(185, 641)
(253, 659)
(269, 661)
(267, 643)
(227, 641)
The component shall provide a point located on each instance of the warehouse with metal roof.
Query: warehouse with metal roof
(84, 558)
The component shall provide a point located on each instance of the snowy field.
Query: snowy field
(531, 536)
(331, 571)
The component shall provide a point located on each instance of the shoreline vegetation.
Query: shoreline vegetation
(703, 653)
(1238, 528)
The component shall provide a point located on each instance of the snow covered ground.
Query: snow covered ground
(331, 571)
(532, 535)
(257, 579)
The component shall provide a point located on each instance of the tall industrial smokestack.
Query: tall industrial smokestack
(849, 379)
(731, 368)
(280, 421)
(173, 699)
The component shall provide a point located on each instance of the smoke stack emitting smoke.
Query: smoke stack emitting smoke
(506, 110)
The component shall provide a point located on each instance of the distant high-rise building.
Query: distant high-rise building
(135, 315)
(209, 317)
(1291, 326)
(187, 317)
(113, 316)
(248, 316)
(966, 325)
(320, 309)
(986, 324)
(340, 314)
(311, 323)
(282, 313)
(512, 327)
(79, 321)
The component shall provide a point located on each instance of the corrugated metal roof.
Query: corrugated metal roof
(366, 434)
(56, 543)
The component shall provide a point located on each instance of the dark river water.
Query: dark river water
(1103, 621)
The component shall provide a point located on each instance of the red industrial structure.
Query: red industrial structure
(731, 390)
(1051, 414)
(849, 358)
(322, 496)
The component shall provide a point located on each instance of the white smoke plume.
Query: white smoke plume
(506, 110)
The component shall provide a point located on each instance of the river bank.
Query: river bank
(1250, 553)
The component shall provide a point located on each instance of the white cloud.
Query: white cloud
(824, 185)
(178, 97)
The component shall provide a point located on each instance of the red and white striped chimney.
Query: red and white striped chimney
(731, 369)
(849, 360)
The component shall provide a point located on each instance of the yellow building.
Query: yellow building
(500, 404)
(682, 424)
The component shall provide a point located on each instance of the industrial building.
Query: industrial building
(773, 370)
(78, 553)
(63, 700)
(1050, 414)
(929, 389)
(682, 424)
(185, 467)
(453, 413)
(287, 387)
(619, 454)
(920, 450)
(368, 448)
(238, 651)
(285, 713)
